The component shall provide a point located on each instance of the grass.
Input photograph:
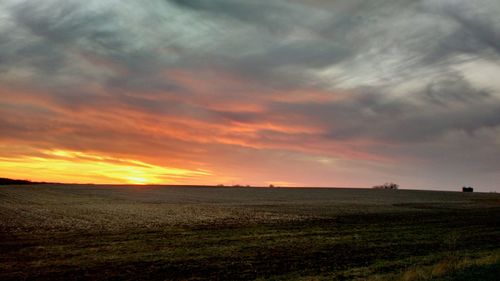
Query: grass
(159, 233)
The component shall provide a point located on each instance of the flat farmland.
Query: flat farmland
(80, 232)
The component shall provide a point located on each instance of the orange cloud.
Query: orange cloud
(112, 136)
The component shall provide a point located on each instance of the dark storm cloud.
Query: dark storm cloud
(58, 28)
(253, 12)
(269, 27)
(278, 58)
(60, 37)
(43, 33)
(477, 28)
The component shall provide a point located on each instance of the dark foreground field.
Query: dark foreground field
(64, 232)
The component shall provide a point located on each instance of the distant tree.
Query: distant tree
(387, 185)
(6, 181)
(271, 185)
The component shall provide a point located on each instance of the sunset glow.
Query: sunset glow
(80, 167)
(321, 93)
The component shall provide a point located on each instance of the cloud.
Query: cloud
(449, 104)
(181, 83)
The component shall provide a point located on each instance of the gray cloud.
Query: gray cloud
(270, 13)
(448, 104)
(476, 28)
(404, 39)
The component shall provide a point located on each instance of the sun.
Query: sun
(137, 180)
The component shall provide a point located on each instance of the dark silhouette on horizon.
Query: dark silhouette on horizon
(7, 181)
(467, 189)
(387, 185)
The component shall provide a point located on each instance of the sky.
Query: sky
(320, 93)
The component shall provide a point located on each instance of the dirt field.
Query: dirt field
(67, 232)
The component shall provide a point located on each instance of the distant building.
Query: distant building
(467, 189)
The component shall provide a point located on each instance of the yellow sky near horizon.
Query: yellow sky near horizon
(83, 167)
